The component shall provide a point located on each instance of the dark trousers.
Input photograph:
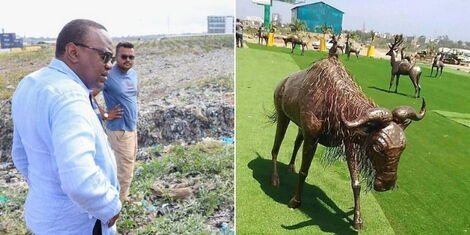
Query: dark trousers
(239, 38)
(97, 228)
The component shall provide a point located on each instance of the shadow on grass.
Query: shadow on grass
(323, 212)
(387, 91)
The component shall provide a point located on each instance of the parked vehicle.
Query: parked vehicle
(451, 58)
(316, 45)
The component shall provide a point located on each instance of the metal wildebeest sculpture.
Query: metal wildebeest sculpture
(330, 109)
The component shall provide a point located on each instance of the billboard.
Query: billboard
(262, 2)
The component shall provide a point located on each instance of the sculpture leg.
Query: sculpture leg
(356, 187)
(417, 86)
(302, 50)
(310, 145)
(391, 81)
(293, 46)
(298, 142)
(282, 124)
(396, 84)
(441, 71)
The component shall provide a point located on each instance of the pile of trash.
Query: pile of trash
(187, 116)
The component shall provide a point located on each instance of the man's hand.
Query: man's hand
(115, 112)
(113, 220)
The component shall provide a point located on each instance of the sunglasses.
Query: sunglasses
(124, 57)
(106, 56)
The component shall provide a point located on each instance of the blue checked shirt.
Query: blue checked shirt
(61, 149)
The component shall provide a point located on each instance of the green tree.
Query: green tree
(432, 48)
(351, 35)
(372, 34)
(298, 26)
(325, 29)
(272, 28)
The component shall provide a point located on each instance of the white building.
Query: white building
(220, 24)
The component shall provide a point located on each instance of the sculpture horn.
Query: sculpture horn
(402, 113)
(379, 115)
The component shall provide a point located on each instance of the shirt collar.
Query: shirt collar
(60, 66)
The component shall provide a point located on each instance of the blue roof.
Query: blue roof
(317, 3)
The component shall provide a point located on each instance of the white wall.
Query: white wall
(229, 21)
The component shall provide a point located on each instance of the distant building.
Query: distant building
(9, 40)
(318, 14)
(220, 24)
(285, 12)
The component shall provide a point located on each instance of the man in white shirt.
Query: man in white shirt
(58, 143)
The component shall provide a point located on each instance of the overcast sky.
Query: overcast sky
(35, 18)
(431, 18)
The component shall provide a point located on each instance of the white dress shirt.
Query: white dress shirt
(60, 147)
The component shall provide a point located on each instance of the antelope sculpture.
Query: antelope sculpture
(287, 39)
(303, 42)
(404, 56)
(350, 50)
(329, 108)
(438, 63)
(335, 48)
(402, 67)
(264, 36)
(341, 48)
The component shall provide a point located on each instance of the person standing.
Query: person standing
(121, 89)
(260, 33)
(58, 142)
(239, 33)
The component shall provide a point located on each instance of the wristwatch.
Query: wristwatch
(105, 115)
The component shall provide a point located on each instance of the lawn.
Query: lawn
(433, 184)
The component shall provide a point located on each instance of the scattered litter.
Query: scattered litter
(227, 140)
(3, 200)
(148, 206)
(224, 228)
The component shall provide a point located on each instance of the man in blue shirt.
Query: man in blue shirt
(58, 143)
(121, 89)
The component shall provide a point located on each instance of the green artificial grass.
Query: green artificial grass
(462, 118)
(433, 181)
